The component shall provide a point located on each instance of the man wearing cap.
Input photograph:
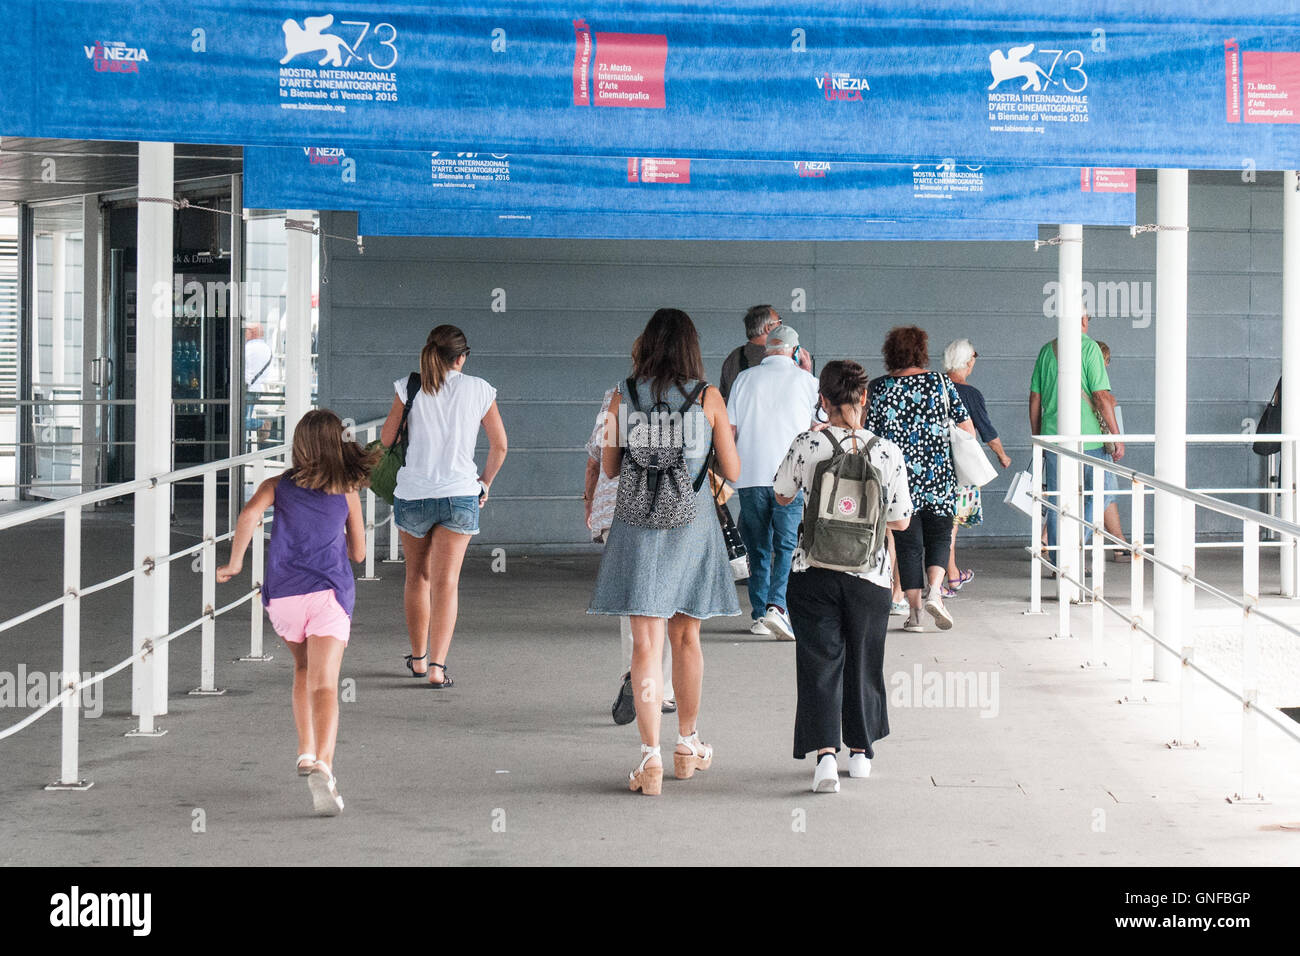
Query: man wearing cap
(770, 403)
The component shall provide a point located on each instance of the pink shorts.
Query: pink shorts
(318, 613)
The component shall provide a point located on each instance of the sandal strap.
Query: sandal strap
(646, 754)
(692, 742)
(308, 757)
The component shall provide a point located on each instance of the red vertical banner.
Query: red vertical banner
(1232, 70)
(1085, 179)
(633, 170)
(581, 63)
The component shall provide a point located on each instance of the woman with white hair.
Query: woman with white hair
(958, 362)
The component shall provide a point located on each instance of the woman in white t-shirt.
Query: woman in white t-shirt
(840, 617)
(440, 491)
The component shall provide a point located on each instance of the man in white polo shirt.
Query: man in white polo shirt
(770, 403)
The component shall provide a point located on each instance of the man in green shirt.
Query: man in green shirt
(1095, 400)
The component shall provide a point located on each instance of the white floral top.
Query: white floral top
(800, 464)
(602, 503)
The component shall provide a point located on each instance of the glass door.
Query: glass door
(54, 446)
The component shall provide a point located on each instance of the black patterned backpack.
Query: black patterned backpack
(655, 489)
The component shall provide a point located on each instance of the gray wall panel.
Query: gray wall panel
(574, 307)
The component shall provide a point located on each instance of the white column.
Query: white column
(297, 339)
(1290, 369)
(153, 426)
(1171, 408)
(1069, 382)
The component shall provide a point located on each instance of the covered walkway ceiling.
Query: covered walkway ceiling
(94, 166)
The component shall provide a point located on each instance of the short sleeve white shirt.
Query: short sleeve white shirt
(443, 429)
(800, 465)
(769, 404)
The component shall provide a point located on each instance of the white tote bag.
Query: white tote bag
(968, 459)
(1020, 494)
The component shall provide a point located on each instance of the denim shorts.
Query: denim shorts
(459, 514)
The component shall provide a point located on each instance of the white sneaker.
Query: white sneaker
(913, 622)
(324, 791)
(779, 624)
(826, 778)
(759, 628)
(898, 608)
(934, 607)
(859, 765)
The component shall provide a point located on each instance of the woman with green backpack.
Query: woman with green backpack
(435, 420)
(855, 487)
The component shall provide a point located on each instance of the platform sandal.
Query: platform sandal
(649, 780)
(700, 757)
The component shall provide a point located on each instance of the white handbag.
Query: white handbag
(968, 459)
(1020, 494)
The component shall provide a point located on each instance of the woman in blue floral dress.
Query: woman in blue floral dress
(911, 406)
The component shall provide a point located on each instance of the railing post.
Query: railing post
(69, 756)
(1098, 492)
(1137, 593)
(256, 614)
(1036, 532)
(391, 523)
(370, 508)
(1250, 790)
(208, 567)
(1186, 686)
(1065, 592)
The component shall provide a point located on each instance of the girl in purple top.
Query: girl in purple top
(309, 589)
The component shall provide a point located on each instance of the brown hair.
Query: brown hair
(445, 345)
(323, 460)
(906, 346)
(1105, 351)
(842, 382)
(668, 352)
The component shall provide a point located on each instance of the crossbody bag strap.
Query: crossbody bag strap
(413, 386)
(708, 455)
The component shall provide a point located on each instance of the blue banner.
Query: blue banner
(336, 178)
(612, 225)
(1164, 83)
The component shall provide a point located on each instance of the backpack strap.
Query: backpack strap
(836, 447)
(631, 394)
(690, 399)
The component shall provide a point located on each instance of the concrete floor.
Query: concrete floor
(521, 764)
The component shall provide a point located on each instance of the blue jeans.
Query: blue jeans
(770, 532)
(1049, 476)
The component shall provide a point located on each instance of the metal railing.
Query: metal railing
(1140, 631)
(70, 510)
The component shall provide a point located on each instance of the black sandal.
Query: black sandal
(410, 664)
(446, 678)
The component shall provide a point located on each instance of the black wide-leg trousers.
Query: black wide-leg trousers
(840, 623)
